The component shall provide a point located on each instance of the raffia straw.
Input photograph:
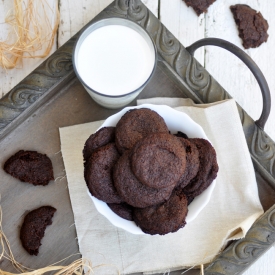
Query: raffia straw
(6, 252)
(188, 269)
(78, 267)
(31, 30)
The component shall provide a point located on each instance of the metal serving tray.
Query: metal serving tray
(52, 97)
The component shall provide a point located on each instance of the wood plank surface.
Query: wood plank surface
(73, 16)
(76, 14)
(10, 78)
(229, 71)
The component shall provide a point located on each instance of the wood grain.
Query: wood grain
(76, 14)
(264, 266)
(152, 5)
(235, 77)
(229, 71)
(10, 78)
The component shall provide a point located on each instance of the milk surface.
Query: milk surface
(115, 60)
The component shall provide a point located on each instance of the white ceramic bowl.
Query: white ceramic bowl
(176, 121)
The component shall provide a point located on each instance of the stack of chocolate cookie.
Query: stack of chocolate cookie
(146, 174)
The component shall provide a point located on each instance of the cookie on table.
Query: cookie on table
(98, 173)
(102, 137)
(192, 162)
(135, 125)
(159, 160)
(163, 218)
(208, 168)
(123, 210)
(31, 167)
(131, 190)
(34, 226)
(199, 6)
(251, 25)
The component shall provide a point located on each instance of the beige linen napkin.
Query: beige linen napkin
(233, 207)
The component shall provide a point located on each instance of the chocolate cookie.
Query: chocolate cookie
(207, 171)
(163, 218)
(31, 167)
(34, 226)
(189, 199)
(135, 125)
(134, 192)
(181, 134)
(251, 25)
(159, 160)
(98, 173)
(192, 162)
(102, 137)
(123, 210)
(199, 6)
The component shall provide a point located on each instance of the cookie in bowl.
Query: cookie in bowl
(157, 171)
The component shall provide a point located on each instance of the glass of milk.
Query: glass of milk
(114, 59)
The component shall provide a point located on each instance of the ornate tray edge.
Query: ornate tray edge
(57, 70)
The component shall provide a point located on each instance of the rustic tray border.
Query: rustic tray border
(57, 70)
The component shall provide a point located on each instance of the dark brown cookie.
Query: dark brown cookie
(98, 173)
(163, 218)
(251, 25)
(31, 167)
(207, 171)
(190, 199)
(159, 160)
(134, 192)
(135, 125)
(102, 137)
(181, 134)
(34, 226)
(123, 210)
(192, 162)
(199, 6)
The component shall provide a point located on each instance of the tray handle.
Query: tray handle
(249, 63)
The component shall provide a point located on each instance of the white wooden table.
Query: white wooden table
(188, 28)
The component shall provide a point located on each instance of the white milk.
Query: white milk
(115, 60)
